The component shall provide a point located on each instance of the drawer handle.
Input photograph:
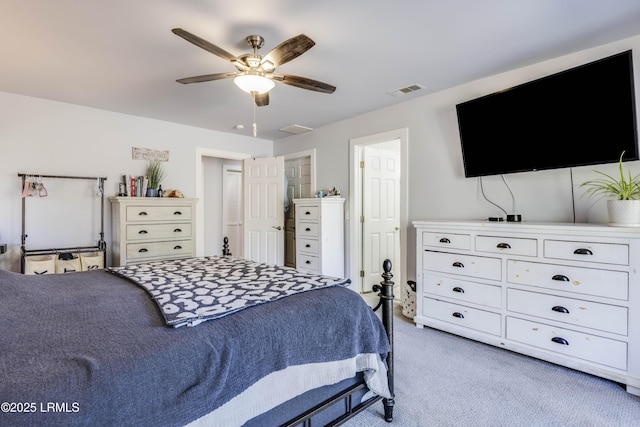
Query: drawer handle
(458, 264)
(445, 240)
(458, 315)
(307, 229)
(143, 232)
(307, 245)
(307, 262)
(143, 250)
(143, 213)
(177, 230)
(307, 213)
(582, 251)
(177, 213)
(560, 278)
(177, 247)
(560, 340)
(560, 309)
(503, 246)
(458, 289)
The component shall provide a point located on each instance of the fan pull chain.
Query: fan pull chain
(255, 126)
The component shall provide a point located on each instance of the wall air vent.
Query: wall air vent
(296, 129)
(405, 90)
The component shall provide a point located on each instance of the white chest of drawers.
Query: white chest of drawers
(152, 228)
(319, 233)
(565, 293)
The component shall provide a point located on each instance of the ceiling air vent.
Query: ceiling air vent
(406, 90)
(296, 129)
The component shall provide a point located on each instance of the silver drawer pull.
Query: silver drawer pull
(445, 240)
(177, 247)
(458, 289)
(177, 230)
(141, 250)
(503, 246)
(560, 309)
(177, 213)
(560, 278)
(458, 315)
(560, 340)
(143, 213)
(143, 232)
(458, 264)
(582, 251)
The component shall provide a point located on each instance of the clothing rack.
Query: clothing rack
(100, 247)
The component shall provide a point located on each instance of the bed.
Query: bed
(127, 346)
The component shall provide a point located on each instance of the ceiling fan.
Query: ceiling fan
(255, 73)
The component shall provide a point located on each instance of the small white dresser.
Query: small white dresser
(565, 293)
(320, 235)
(152, 228)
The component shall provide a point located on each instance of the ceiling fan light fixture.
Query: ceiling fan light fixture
(254, 83)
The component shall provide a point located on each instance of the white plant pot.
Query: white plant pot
(624, 213)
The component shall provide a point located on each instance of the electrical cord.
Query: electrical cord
(487, 199)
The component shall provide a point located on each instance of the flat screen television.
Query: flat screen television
(582, 116)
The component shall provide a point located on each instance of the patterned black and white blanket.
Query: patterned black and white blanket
(193, 290)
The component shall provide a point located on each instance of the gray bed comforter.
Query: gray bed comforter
(91, 348)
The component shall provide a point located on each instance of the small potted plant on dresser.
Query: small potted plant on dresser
(155, 175)
(623, 205)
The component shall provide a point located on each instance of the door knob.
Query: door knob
(277, 227)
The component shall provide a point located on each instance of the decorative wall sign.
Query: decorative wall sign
(138, 153)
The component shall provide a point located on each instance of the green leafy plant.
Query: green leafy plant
(622, 188)
(155, 174)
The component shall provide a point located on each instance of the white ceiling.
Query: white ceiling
(120, 55)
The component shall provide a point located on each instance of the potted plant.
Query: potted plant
(155, 175)
(623, 205)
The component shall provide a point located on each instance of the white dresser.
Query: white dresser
(565, 293)
(152, 228)
(320, 235)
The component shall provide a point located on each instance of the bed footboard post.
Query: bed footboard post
(385, 291)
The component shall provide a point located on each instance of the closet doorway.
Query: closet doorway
(379, 206)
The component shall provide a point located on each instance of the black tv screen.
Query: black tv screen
(582, 116)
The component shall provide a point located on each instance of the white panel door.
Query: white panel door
(381, 212)
(264, 210)
(232, 213)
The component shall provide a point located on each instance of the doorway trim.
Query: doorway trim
(202, 152)
(355, 204)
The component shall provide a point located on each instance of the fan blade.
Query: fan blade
(206, 78)
(304, 83)
(286, 51)
(262, 99)
(201, 43)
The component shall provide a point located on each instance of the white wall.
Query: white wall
(437, 186)
(46, 137)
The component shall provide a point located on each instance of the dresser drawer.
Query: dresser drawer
(158, 213)
(507, 245)
(606, 253)
(311, 246)
(588, 347)
(587, 281)
(308, 263)
(166, 250)
(308, 229)
(446, 240)
(307, 212)
(462, 290)
(465, 265)
(157, 231)
(603, 317)
(480, 320)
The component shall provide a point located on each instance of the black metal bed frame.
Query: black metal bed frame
(385, 293)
